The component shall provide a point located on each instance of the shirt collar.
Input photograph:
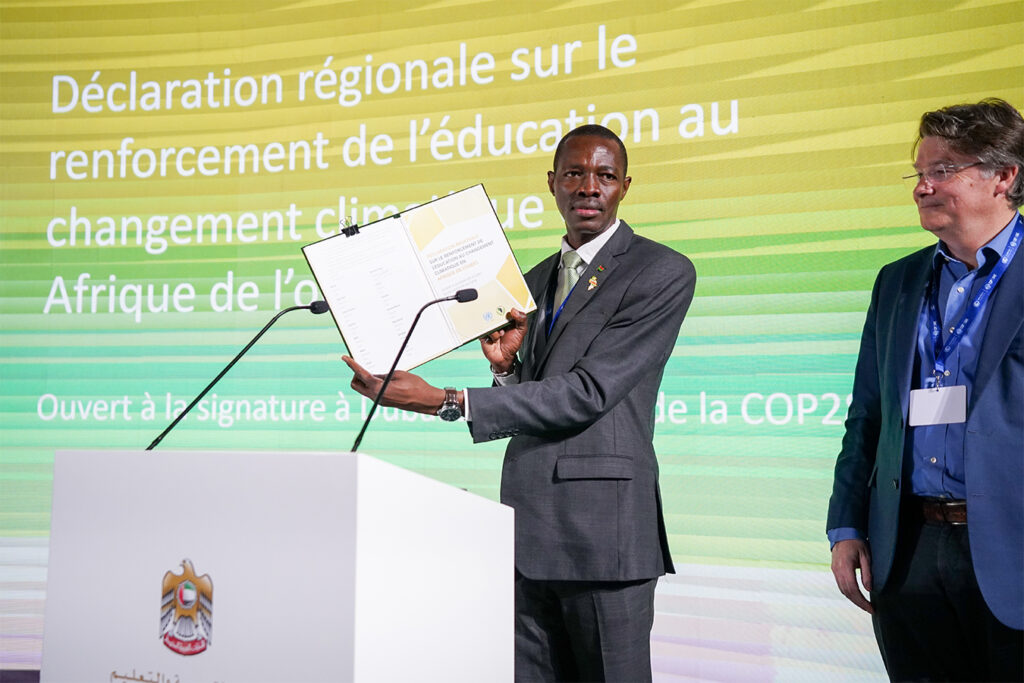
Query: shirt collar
(589, 250)
(992, 249)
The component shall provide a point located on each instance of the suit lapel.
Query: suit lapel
(906, 317)
(540, 285)
(602, 269)
(1004, 321)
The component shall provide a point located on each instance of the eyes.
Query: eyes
(607, 176)
(939, 174)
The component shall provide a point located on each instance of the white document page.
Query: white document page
(376, 280)
(374, 285)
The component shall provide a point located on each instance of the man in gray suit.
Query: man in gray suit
(928, 499)
(575, 386)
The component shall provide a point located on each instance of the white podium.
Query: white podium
(307, 567)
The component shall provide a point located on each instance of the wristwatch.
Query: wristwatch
(450, 410)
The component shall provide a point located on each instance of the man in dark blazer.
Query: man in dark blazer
(575, 389)
(928, 497)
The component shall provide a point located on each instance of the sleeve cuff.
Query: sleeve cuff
(510, 377)
(844, 533)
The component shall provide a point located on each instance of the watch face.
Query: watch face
(449, 412)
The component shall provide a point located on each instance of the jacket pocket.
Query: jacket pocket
(594, 467)
(873, 479)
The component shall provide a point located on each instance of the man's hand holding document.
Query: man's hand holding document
(376, 278)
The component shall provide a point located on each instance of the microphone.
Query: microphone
(317, 307)
(462, 296)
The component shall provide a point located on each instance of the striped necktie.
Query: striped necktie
(571, 261)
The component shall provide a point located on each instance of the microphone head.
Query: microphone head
(319, 307)
(464, 295)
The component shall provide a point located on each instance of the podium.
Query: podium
(252, 566)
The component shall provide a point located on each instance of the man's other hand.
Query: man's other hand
(500, 347)
(847, 558)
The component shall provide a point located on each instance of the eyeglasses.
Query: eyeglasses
(940, 173)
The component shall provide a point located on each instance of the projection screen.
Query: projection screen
(164, 162)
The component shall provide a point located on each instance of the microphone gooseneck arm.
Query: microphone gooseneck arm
(317, 307)
(461, 296)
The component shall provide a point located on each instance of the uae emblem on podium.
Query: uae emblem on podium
(186, 611)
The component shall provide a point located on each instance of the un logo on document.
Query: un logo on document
(186, 611)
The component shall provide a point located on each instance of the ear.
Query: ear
(551, 182)
(625, 187)
(1005, 178)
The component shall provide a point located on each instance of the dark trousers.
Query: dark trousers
(583, 630)
(931, 621)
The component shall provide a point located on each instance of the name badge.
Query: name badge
(938, 406)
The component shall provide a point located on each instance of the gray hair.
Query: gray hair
(991, 131)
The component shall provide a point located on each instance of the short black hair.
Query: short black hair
(991, 131)
(591, 130)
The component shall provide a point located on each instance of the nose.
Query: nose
(588, 184)
(923, 187)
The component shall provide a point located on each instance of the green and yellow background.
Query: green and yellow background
(787, 209)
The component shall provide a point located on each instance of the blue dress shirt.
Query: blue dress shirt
(933, 456)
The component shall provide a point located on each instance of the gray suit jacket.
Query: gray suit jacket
(869, 470)
(580, 469)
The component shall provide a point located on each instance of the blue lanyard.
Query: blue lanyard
(974, 309)
(553, 318)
